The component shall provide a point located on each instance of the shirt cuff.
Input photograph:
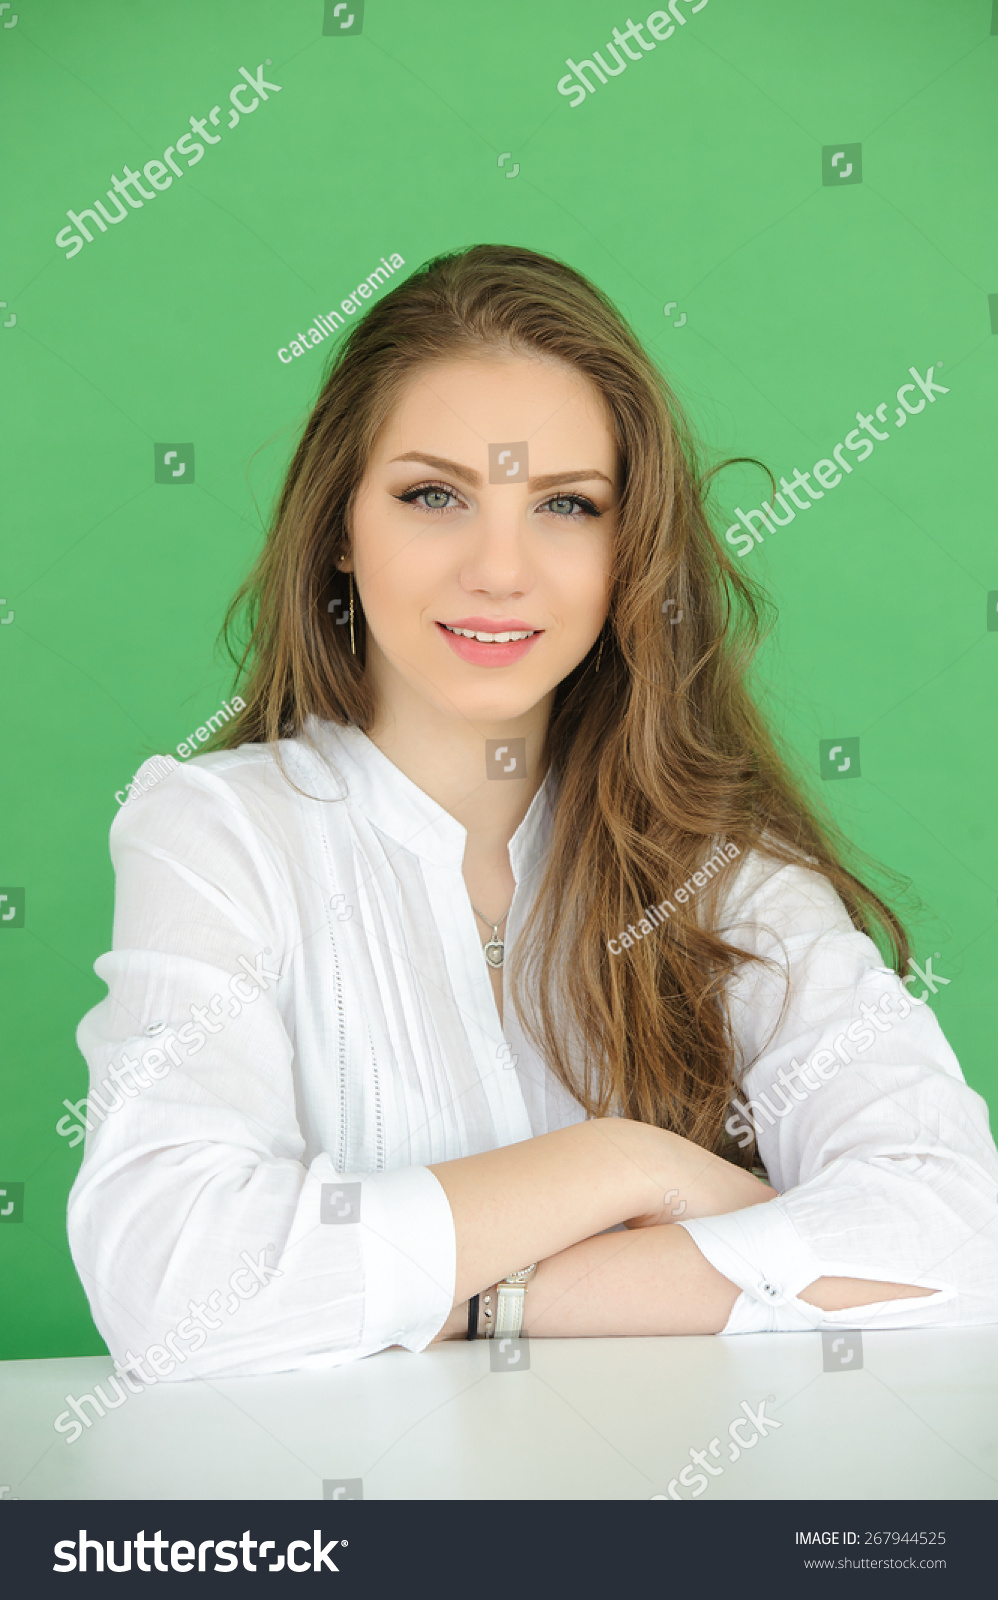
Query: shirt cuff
(409, 1247)
(760, 1251)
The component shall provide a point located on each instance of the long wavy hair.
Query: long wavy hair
(657, 756)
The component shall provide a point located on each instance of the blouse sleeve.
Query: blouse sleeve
(209, 1241)
(881, 1153)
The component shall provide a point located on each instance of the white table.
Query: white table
(583, 1419)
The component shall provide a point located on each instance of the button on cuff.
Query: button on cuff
(743, 1244)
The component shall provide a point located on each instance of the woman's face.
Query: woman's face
(488, 504)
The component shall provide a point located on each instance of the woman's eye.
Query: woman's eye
(433, 497)
(587, 507)
(428, 492)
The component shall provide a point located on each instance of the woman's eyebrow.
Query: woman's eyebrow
(468, 475)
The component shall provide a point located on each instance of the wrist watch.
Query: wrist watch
(511, 1292)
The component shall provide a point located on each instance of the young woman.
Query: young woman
(494, 933)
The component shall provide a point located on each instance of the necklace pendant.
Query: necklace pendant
(495, 950)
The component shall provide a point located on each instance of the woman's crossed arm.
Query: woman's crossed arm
(550, 1198)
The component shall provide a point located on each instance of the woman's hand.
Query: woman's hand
(529, 1200)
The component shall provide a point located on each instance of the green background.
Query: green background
(694, 177)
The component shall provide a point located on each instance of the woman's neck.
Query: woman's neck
(485, 774)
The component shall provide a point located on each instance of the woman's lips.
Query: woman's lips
(488, 655)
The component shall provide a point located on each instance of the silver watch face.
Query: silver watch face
(523, 1275)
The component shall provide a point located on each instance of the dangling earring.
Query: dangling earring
(353, 646)
(600, 654)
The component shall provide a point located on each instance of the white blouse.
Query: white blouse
(299, 1020)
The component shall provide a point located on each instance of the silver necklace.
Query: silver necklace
(495, 950)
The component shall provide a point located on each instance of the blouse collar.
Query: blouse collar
(407, 814)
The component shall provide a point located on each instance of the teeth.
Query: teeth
(490, 638)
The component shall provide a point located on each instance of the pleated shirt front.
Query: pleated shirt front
(300, 1019)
